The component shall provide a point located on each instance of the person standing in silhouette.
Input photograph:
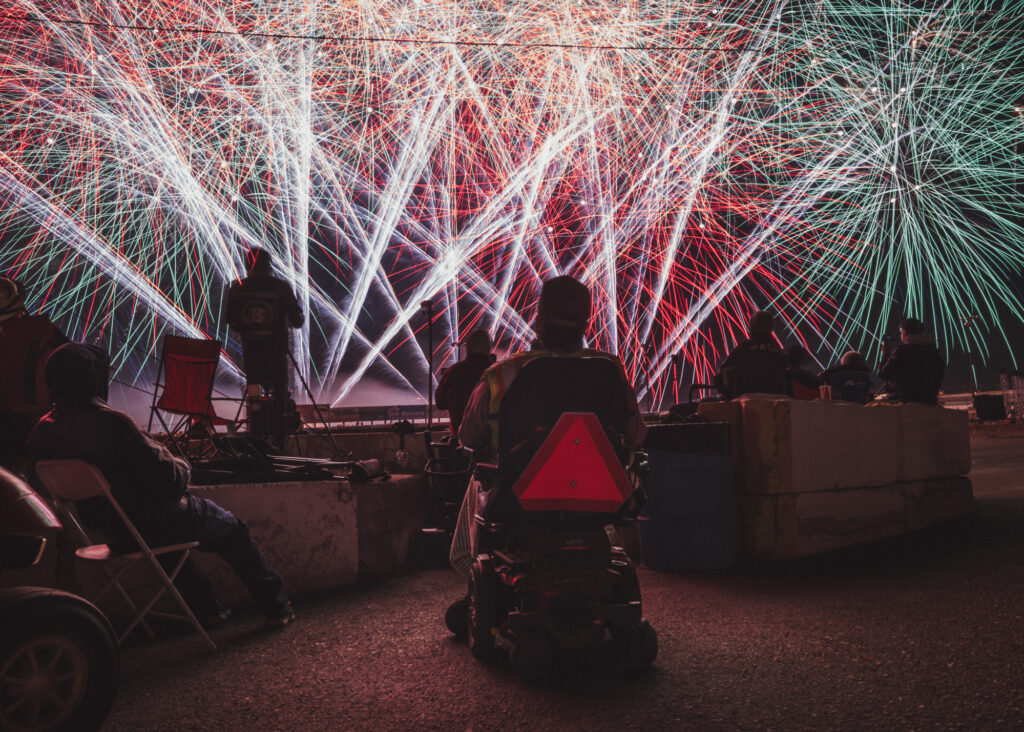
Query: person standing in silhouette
(459, 380)
(262, 308)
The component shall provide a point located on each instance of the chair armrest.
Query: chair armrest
(486, 471)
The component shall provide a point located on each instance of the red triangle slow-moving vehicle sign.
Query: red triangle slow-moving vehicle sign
(575, 469)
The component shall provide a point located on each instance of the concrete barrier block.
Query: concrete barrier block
(839, 518)
(932, 501)
(935, 442)
(729, 411)
(796, 525)
(839, 445)
(759, 524)
(767, 468)
(796, 446)
(307, 530)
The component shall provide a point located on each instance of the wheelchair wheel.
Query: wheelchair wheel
(456, 617)
(481, 613)
(531, 657)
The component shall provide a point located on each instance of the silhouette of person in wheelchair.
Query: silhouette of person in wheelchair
(532, 537)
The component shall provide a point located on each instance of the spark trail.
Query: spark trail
(842, 164)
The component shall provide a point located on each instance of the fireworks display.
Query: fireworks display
(843, 164)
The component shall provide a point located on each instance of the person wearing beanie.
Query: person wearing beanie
(587, 380)
(149, 483)
(561, 323)
(914, 368)
(756, 365)
(458, 381)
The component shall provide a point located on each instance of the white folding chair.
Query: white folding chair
(76, 480)
(81, 539)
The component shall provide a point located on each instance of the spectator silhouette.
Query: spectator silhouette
(589, 380)
(151, 486)
(262, 308)
(802, 383)
(914, 368)
(25, 342)
(562, 317)
(12, 299)
(851, 379)
(756, 365)
(458, 381)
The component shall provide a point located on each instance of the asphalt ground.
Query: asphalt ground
(919, 632)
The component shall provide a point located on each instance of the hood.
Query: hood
(70, 373)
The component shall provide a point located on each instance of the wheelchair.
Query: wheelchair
(548, 576)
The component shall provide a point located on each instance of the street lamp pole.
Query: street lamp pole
(427, 306)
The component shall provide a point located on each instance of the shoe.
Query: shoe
(217, 616)
(286, 617)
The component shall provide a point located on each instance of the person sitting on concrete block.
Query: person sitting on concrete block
(757, 365)
(802, 383)
(851, 379)
(914, 368)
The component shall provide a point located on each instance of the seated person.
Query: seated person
(562, 317)
(851, 379)
(150, 484)
(756, 365)
(914, 368)
(802, 383)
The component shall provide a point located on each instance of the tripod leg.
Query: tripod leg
(312, 401)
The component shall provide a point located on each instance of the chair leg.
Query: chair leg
(113, 581)
(170, 431)
(142, 614)
(134, 608)
(168, 582)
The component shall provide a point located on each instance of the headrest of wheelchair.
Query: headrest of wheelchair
(575, 469)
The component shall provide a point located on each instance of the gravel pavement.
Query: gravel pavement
(915, 633)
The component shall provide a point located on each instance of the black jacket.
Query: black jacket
(914, 371)
(144, 477)
(755, 366)
(263, 307)
(458, 382)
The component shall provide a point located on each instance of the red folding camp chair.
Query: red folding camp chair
(188, 368)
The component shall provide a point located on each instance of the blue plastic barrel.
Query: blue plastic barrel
(688, 520)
